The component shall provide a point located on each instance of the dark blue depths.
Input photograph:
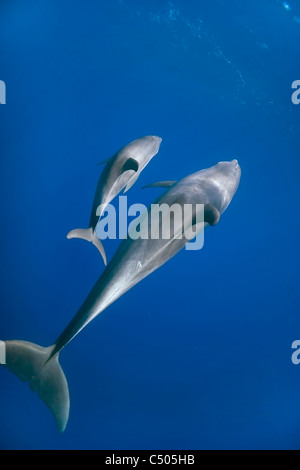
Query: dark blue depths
(197, 356)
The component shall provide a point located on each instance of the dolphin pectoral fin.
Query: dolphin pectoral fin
(160, 184)
(31, 363)
(211, 214)
(89, 235)
(131, 183)
(130, 171)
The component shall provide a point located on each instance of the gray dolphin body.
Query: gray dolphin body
(133, 261)
(121, 171)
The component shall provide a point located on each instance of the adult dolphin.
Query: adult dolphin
(133, 261)
(121, 171)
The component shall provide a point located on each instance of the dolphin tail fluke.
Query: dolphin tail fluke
(89, 235)
(31, 363)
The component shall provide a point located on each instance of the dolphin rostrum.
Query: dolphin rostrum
(133, 261)
(121, 171)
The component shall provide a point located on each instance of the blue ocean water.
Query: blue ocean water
(198, 355)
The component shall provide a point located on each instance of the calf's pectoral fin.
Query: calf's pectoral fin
(130, 171)
(131, 182)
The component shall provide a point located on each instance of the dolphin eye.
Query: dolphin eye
(131, 164)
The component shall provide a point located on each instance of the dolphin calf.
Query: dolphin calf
(121, 171)
(133, 261)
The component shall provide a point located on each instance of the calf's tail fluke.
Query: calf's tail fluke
(89, 235)
(45, 376)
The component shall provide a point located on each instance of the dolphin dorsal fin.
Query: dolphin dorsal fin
(103, 162)
(211, 214)
(160, 184)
